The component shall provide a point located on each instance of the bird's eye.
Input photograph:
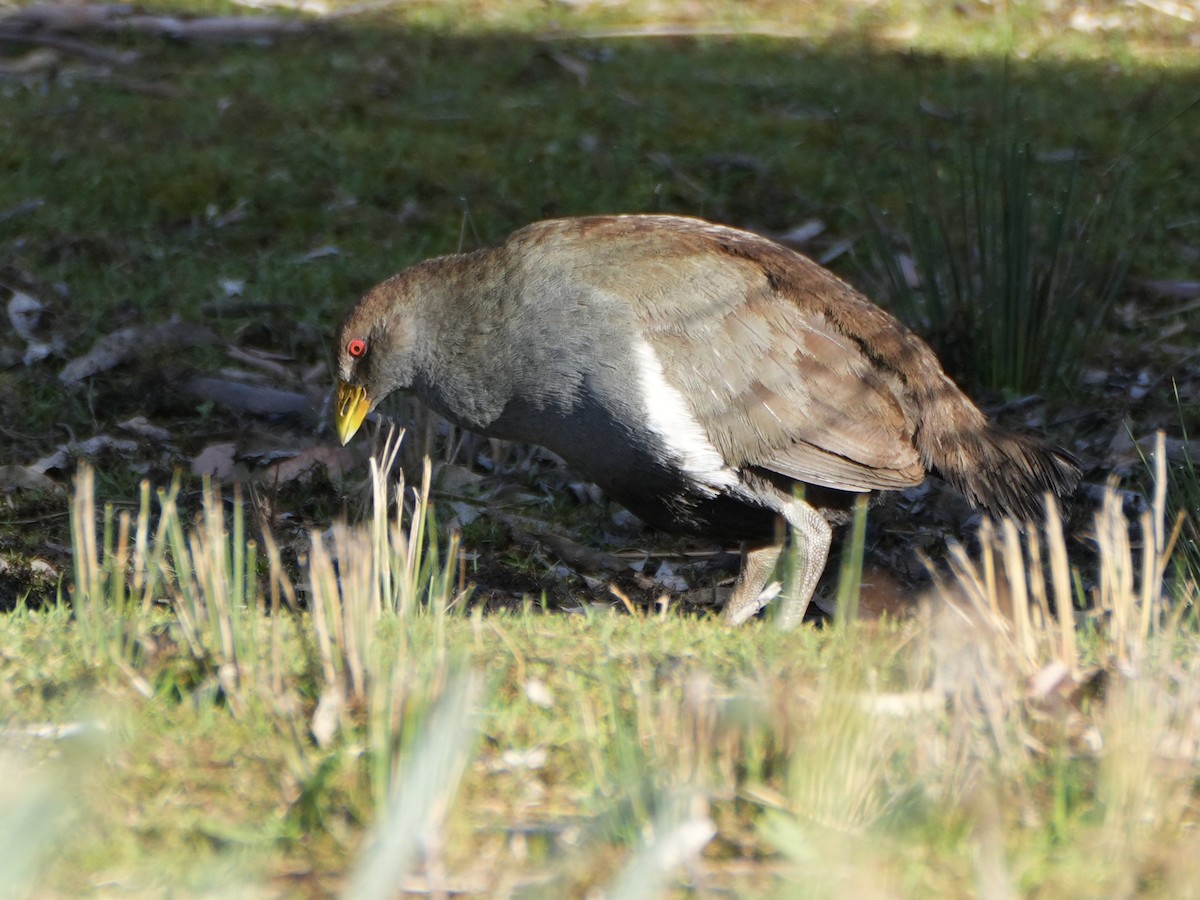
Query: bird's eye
(356, 347)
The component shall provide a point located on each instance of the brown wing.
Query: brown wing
(741, 327)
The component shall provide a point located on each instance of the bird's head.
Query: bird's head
(374, 353)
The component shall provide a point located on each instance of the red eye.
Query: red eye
(356, 347)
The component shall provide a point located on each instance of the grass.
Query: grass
(243, 698)
(1009, 290)
(392, 138)
(871, 756)
(1184, 498)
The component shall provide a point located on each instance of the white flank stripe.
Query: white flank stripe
(669, 417)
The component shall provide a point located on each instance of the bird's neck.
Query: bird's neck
(464, 355)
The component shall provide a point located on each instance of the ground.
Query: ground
(182, 222)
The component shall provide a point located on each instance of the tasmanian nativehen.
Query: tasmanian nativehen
(710, 380)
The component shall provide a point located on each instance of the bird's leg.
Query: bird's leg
(811, 536)
(748, 597)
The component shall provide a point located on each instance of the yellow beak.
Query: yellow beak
(352, 407)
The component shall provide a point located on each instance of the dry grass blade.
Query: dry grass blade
(210, 575)
(839, 773)
(32, 818)
(387, 567)
(421, 795)
(1014, 602)
(675, 839)
(89, 579)
(381, 466)
(999, 629)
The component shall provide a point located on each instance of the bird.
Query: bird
(709, 379)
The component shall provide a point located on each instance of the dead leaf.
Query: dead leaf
(803, 233)
(320, 253)
(253, 29)
(24, 312)
(259, 401)
(572, 65)
(128, 343)
(573, 554)
(335, 460)
(25, 478)
(218, 219)
(1061, 155)
(464, 514)
(232, 287)
(1178, 290)
(666, 575)
(909, 270)
(93, 446)
(1123, 452)
(59, 18)
(838, 248)
(586, 492)
(458, 481)
(62, 17)
(938, 111)
(25, 315)
(21, 209)
(42, 61)
(143, 428)
(218, 461)
(271, 363)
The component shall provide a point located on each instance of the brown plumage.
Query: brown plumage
(696, 372)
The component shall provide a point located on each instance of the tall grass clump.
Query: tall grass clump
(1008, 281)
(365, 583)
(206, 576)
(659, 751)
(211, 577)
(413, 814)
(108, 605)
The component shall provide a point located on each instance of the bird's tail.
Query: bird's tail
(998, 470)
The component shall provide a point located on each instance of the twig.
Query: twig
(679, 31)
(573, 554)
(73, 46)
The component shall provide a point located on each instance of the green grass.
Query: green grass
(240, 720)
(223, 746)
